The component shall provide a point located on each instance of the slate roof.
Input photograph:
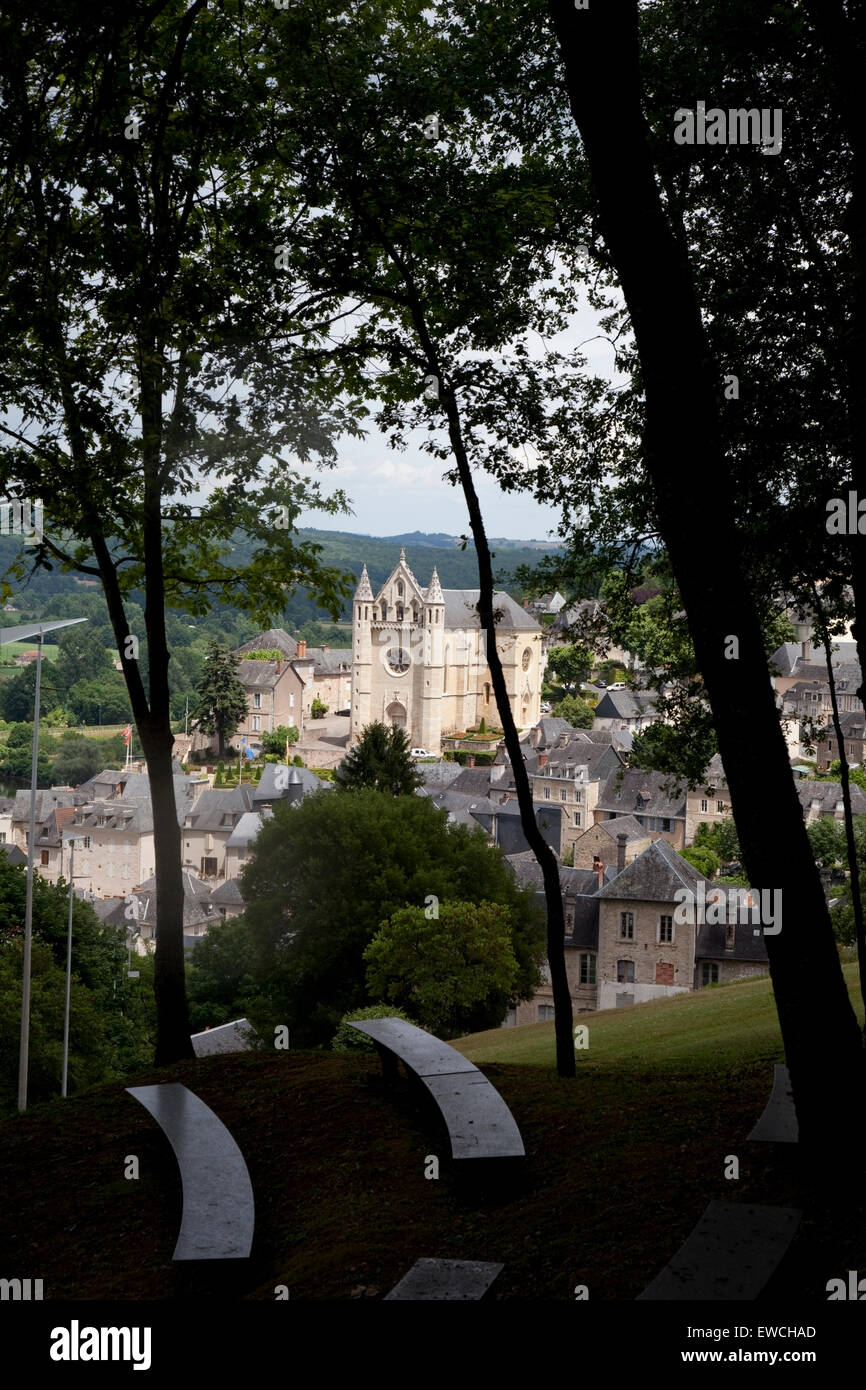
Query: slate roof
(551, 727)
(261, 675)
(439, 774)
(247, 828)
(654, 876)
(274, 638)
(711, 937)
(784, 659)
(621, 825)
(14, 854)
(215, 804)
(329, 661)
(228, 894)
(267, 790)
(625, 704)
(46, 802)
(852, 722)
(473, 781)
(574, 755)
(642, 794)
(828, 794)
(106, 909)
(193, 887)
(460, 610)
(450, 800)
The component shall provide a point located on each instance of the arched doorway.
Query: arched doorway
(396, 713)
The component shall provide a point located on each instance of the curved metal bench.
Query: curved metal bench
(479, 1123)
(453, 1280)
(778, 1124)
(731, 1253)
(218, 1206)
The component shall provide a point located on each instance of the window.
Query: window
(257, 723)
(257, 701)
(587, 969)
(85, 843)
(626, 925)
(720, 806)
(850, 748)
(829, 745)
(2, 837)
(563, 793)
(45, 856)
(709, 973)
(545, 1013)
(625, 972)
(666, 928)
(577, 818)
(704, 805)
(666, 825)
(547, 793)
(730, 932)
(208, 867)
(400, 587)
(292, 700)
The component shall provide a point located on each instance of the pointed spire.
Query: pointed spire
(402, 554)
(364, 590)
(434, 593)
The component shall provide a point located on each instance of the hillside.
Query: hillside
(620, 1164)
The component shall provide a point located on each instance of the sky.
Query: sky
(393, 492)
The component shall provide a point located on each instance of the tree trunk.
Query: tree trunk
(600, 50)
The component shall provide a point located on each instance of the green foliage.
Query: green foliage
(325, 874)
(348, 1039)
(220, 985)
(454, 973)
(81, 655)
(265, 654)
(683, 749)
(380, 759)
(78, 759)
(827, 840)
(276, 739)
(222, 701)
(100, 699)
(318, 708)
(579, 714)
(18, 694)
(856, 775)
(701, 857)
(570, 665)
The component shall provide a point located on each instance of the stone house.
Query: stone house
(853, 737)
(825, 799)
(629, 710)
(206, 829)
(599, 843)
(645, 796)
(571, 775)
(709, 803)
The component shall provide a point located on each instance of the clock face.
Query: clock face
(397, 661)
(527, 657)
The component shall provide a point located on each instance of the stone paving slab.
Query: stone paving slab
(218, 1206)
(778, 1124)
(445, 1279)
(730, 1254)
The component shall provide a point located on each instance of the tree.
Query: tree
(81, 656)
(453, 973)
(579, 714)
(348, 1039)
(77, 760)
(323, 876)
(274, 742)
(102, 699)
(18, 694)
(222, 700)
(827, 840)
(702, 858)
(220, 975)
(682, 423)
(380, 759)
(571, 665)
(153, 392)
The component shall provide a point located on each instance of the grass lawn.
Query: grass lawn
(620, 1164)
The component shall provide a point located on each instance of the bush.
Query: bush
(348, 1039)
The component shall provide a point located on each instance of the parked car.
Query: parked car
(545, 707)
(419, 753)
(343, 713)
(602, 685)
(617, 685)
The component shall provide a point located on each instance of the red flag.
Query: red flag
(127, 734)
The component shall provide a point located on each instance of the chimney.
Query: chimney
(302, 648)
(279, 668)
(542, 759)
(598, 865)
(620, 851)
(470, 759)
(526, 603)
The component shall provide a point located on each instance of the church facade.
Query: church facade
(419, 659)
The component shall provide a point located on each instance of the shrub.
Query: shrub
(348, 1039)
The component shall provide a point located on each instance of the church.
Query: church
(419, 659)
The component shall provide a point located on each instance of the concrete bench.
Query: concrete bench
(454, 1280)
(479, 1123)
(218, 1207)
(730, 1254)
(778, 1124)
